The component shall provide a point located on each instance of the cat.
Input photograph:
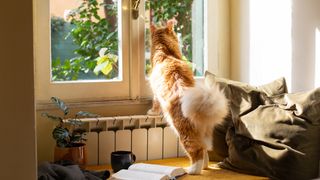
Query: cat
(191, 109)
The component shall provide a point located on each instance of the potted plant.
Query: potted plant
(69, 134)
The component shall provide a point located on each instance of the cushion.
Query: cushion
(242, 99)
(278, 140)
(268, 132)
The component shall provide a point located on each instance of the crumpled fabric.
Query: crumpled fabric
(51, 171)
(269, 132)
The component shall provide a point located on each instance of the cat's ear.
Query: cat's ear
(171, 23)
(152, 28)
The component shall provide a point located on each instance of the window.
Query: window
(79, 83)
(84, 40)
(189, 28)
(95, 50)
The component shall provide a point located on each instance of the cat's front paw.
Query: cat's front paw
(151, 112)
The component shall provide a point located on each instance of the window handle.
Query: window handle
(135, 9)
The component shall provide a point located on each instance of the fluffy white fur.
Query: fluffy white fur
(196, 167)
(204, 106)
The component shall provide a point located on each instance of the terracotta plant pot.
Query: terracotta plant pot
(77, 154)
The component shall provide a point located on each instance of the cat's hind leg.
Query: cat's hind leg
(195, 152)
(205, 160)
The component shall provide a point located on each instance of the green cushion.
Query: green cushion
(281, 141)
(268, 132)
(242, 98)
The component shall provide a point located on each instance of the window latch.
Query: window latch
(135, 9)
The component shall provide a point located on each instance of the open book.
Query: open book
(140, 171)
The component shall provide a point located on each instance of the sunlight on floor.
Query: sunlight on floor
(317, 63)
(270, 41)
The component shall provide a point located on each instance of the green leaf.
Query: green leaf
(84, 43)
(62, 143)
(59, 133)
(60, 104)
(86, 114)
(52, 117)
(56, 62)
(76, 138)
(75, 122)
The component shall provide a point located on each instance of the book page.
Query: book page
(137, 175)
(161, 169)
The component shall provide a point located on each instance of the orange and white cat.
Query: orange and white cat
(191, 109)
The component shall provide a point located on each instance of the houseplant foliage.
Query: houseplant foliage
(69, 134)
(68, 131)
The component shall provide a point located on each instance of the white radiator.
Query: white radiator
(148, 137)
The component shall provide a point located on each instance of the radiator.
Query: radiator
(148, 137)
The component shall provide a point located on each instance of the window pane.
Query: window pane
(189, 28)
(84, 40)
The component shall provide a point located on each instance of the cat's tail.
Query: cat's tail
(204, 106)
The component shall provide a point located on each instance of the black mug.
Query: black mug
(121, 160)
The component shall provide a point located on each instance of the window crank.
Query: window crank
(135, 9)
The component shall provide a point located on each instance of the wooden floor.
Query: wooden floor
(213, 172)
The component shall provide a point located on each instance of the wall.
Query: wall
(280, 42)
(239, 25)
(218, 37)
(223, 39)
(305, 24)
(17, 130)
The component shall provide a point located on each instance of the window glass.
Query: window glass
(84, 40)
(189, 29)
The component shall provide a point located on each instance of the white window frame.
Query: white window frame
(133, 85)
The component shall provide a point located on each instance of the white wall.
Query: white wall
(272, 38)
(17, 129)
(305, 22)
(218, 37)
(239, 14)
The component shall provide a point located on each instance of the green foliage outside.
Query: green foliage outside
(92, 34)
(163, 10)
